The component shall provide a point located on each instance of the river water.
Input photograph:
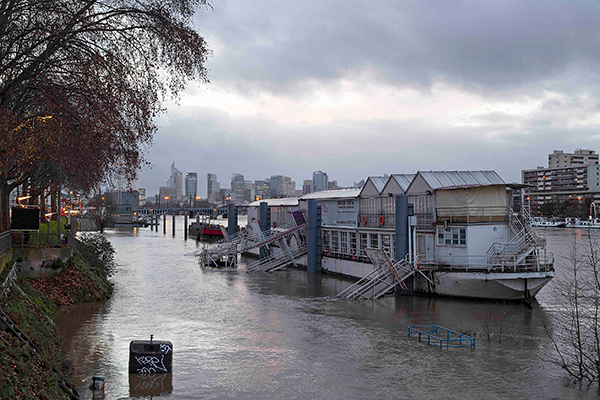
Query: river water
(283, 335)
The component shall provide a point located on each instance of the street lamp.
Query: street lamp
(167, 201)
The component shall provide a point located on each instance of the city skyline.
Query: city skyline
(493, 86)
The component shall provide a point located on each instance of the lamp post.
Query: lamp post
(196, 201)
(167, 201)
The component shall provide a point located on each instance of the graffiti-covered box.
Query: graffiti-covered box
(150, 356)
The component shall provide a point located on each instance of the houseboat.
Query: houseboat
(464, 238)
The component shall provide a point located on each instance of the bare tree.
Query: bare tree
(81, 82)
(574, 330)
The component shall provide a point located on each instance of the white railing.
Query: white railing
(499, 263)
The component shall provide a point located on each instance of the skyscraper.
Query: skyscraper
(262, 189)
(191, 185)
(237, 185)
(213, 188)
(176, 181)
(320, 181)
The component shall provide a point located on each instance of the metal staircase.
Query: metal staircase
(525, 243)
(386, 275)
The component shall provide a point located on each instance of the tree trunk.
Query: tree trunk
(5, 190)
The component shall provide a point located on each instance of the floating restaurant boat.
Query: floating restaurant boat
(464, 239)
(542, 222)
(592, 223)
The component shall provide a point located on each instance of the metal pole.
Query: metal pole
(165, 223)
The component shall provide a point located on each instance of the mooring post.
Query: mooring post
(173, 223)
(314, 237)
(231, 219)
(185, 224)
(165, 223)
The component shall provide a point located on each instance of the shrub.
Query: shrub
(98, 252)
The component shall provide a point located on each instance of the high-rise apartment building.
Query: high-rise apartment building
(191, 186)
(573, 183)
(320, 181)
(560, 159)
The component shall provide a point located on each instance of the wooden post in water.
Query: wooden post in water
(165, 223)
(185, 224)
(173, 223)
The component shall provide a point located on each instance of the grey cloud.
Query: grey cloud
(213, 141)
(495, 45)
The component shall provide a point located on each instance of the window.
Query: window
(385, 244)
(326, 241)
(374, 239)
(352, 243)
(452, 237)
(334, 241)
(363, 244)
(344, 242)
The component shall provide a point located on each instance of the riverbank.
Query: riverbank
(31, 304)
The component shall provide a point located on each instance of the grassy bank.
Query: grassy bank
(31, 305)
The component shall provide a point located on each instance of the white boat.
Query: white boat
(591, 223)
(464, 239)
(542, 222)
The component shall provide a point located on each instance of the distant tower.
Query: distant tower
(176, 181)
(191, 185)
(213, 188)
(320, 181)
(238, 185)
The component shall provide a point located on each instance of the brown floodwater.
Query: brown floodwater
(283, 335)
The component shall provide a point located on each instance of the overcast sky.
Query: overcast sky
(359, 88)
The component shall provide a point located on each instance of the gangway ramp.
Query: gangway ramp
(254, 238)
(384, 277)
(275, 262)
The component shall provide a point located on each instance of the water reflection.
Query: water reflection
(285, 335)
(150, 384)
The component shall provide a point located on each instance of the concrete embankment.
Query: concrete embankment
(33, 364)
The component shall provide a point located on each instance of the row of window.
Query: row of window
(452, 237)
(354, 244)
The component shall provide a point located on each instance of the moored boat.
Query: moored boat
(542, 222)
(464, 239)
(591, 223)
(204, 228)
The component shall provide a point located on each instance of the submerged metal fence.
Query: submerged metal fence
(438, 334)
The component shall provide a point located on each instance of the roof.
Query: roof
(402, 180)
(288, 201)
(373, 186)
(332, 194)
(447, 179)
